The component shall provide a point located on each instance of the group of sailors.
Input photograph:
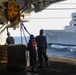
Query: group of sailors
(39, 44)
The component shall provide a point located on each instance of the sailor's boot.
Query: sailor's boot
(48, 64)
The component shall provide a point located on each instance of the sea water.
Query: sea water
(53, 50)
(62, 51)
(21, 40)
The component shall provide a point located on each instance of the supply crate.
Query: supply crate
(3, 53)
(3, 57)
(16, 55)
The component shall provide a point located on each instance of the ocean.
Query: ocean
(53, 50)
(21, 40)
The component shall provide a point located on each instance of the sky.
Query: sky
(48, 19)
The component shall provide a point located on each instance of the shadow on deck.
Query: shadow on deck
(58, 66)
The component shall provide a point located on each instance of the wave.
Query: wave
(60, 47)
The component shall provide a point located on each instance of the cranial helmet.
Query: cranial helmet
(31, 36)
(41, 31)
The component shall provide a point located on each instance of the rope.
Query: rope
(24, 34)
(22, 27)
(21, 33)
(25, 29)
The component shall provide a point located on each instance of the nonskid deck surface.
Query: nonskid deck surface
(44, 71)
(55, 69)
(18, 73)
(58, 66)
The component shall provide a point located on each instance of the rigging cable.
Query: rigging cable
(60, 8)
(21, 28)
(49, 17)
(1, 26)
(21, 33)
(23, 9)
(24, 34)
(25, 29)
(2, 30)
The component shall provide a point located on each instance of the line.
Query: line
(60, 8)
(50, 18)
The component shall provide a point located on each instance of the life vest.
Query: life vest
(34, 44)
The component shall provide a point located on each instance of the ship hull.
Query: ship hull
(60, 37)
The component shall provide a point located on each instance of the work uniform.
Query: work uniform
(32, 50)
(41, 47)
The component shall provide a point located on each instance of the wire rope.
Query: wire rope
(24, 34)
(21, 33)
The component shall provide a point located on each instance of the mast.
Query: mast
(73, 21)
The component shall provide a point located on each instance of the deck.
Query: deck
(58, 66)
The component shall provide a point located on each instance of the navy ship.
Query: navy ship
(67, 36)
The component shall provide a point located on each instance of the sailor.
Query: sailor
(42, 46)
(9, 39)
(31, 47)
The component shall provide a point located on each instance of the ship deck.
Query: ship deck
(58, 66)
